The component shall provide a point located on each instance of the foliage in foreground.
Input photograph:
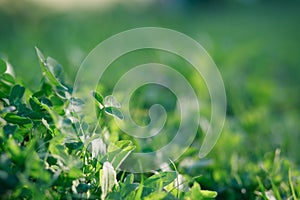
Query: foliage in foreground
(48, 151)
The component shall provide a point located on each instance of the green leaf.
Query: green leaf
(118, 152)
(129, 190)
(160, 180)
(82, 187)
(4, 90)
(159, 195)
(51, 69)
(74, 173)
(194, 193)
(56, 101)
(8, 78)
(55, 68)
(53, 80)
(46, 89)
(35, 104)
(16, 94)
(114, 112)
(14, 148)
(197, 193)
(262, 188)
(98, 97)
(40, 55)
(291, 183)
(129, 179)
(9, 129)
(275, 190)
(2, 66)
(44, 106)
(209, 194)
(15, 119)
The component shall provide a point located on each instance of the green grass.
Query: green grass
(256, 157)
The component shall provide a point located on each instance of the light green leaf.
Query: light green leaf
(114, 112)
(118, 152)
(40, 55)
(208, 194)
(158, 181)
(51, 69)
(55, 68)
(56, 101)
(14, 148)
(197, 193)
(159, 195)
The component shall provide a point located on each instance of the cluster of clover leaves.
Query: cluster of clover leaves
(47, 151)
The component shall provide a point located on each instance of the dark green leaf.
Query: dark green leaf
(9, 129)
(46, 101)
(47, 89)
(128, 188)
(98, 97)
(129, 179)
(16, 94)
(74, 145)
(82, 187)
(2, 66)
(34, 105)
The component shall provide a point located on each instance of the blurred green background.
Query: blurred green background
(254, 43)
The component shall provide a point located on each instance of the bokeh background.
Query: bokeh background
(254, 43)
